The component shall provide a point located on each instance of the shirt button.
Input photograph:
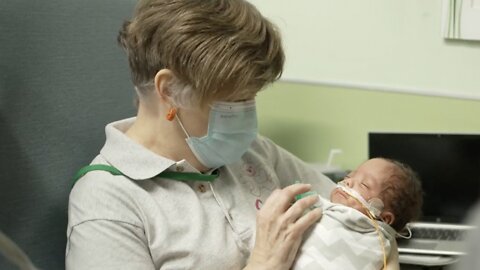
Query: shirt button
(202, 188)
(179, 168)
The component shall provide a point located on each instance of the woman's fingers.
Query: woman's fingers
(298, 208)
(281, 199)
(305, 221)
(280, 225)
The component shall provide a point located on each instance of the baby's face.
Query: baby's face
(368, 180)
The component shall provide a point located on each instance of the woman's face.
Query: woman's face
(196, 119)
(368, 180)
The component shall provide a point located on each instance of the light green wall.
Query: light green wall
(309, 120)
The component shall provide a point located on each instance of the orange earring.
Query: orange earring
(171, 114)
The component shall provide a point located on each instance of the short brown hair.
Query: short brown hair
(404, 195)
(219, 48)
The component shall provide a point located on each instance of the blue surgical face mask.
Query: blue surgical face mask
(232, 127)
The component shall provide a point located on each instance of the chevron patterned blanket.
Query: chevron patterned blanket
(343, 239)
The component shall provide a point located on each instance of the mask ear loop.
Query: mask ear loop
(181, 125)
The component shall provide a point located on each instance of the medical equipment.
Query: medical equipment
(232, 127)
(374, 208)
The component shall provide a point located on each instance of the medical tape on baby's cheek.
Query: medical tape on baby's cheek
(353, 193)
(373, 210)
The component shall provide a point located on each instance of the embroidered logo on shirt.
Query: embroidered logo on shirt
(258, 180)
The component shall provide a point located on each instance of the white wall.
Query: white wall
(393, 45)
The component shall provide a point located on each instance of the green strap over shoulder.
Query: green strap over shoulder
(188, 176)
(95, 167)
(180, 176)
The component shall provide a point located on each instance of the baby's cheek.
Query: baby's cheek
(359, 207)
(337, 198)
(353, 204)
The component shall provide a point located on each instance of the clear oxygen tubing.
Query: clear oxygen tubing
(370, 214)
(375, 206)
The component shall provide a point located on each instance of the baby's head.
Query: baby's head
(390, 181)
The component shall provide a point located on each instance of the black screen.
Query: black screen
(448, 166)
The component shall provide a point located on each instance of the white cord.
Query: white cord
(227, 216)
(406, 236)
(14, 253)
(181, 125)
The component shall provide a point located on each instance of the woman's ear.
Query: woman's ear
(387, 217)
(163, 80)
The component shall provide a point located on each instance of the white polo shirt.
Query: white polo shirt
(140, 221)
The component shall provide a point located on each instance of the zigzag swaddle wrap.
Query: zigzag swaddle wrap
(343, 239)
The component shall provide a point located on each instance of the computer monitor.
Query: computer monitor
(448, 166)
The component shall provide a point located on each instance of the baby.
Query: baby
(361, 219)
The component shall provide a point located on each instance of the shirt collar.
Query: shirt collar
(132, 159)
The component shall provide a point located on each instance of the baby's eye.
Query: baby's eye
(364, 185)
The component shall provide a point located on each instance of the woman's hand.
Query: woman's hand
(280, 227)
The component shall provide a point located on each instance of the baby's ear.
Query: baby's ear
(387, 217)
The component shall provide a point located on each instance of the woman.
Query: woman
(184, 185)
